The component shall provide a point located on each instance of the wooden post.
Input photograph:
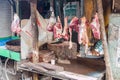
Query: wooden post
(35, 59)
(109, 75)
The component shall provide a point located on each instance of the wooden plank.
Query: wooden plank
(89, 11)
(64, 75)
(34, 31)
(42, 67)
(104, 40)
(75, 76)
(32, 66)
(50, 66)
(33, 4)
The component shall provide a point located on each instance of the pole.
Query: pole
(35, 59)
(82, 7)
(104, 41)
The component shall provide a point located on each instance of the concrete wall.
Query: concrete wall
(114, 45)
(5, 18)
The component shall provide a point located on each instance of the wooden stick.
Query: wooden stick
(34, 34)
(109, 75)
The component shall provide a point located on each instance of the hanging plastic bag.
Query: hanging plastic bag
(26, 33)
(26, 40)
(44, 35)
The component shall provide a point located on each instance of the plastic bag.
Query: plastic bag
(44, 35)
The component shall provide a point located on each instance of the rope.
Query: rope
(6, 68)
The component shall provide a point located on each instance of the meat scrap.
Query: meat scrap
(95, 27)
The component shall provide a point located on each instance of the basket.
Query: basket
(13, 45)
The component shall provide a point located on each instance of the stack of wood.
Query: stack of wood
(62, 52)
(41, 67)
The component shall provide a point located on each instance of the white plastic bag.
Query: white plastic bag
(44, 35)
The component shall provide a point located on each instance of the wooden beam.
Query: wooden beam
(33, 4)
(109, 75)
(34, 31)
(88, 12)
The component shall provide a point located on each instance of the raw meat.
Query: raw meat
(65, 34)
(73, 26)
(51, 23)
(82, 34)
(15, 27)
(95, 27)
(57, 30)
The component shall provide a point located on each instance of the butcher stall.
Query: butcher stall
(57, 40)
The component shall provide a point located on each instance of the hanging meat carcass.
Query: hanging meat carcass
(15, 27)
(65, 34)
(73, 26)
(82, 34)
(51, 22)
(95, 27)
(56, 28)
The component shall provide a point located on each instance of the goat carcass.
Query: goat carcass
(15, 27)
(95, 27)
(82, 34)
(65, 34)
(57, 30)
(52, 22)
(73, 26)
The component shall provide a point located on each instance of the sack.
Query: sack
(26, 33)
(44, 35)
